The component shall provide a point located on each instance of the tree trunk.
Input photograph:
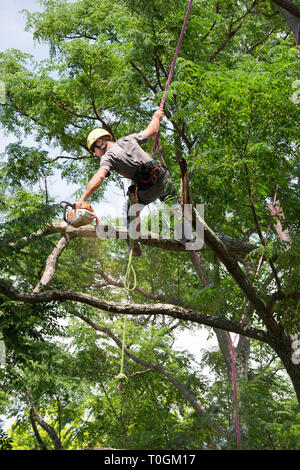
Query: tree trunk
(49, 429)
(283, 346)
(36, 431)
(36, 416)
(241, 355)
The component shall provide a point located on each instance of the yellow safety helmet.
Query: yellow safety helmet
(96, 134)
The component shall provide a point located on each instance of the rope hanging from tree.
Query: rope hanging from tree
(130, 269)
(156, 147)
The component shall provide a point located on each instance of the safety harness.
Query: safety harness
(148, 174)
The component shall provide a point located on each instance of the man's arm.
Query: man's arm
(93, 185)
(154, 125)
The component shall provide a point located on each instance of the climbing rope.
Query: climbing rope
(121, 374)
(156, 146)
(232, 342)
(129, 287)
(130, 273)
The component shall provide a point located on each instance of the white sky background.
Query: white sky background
(13, 35)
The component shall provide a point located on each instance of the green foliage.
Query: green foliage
(229, 113)
(16, 174)
(5, 441)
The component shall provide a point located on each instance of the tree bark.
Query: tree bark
(36, 431)
(289, 6)
(174, 311)
(47, 427)
(291, 14)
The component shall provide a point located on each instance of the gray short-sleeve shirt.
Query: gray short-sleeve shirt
(125, 155)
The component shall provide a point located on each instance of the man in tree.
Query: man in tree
(126, 156)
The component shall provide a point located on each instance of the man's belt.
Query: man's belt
(148, 174)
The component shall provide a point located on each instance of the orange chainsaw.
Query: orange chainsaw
(78, 217)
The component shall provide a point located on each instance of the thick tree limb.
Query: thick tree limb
(149, 239)
(292, 21)
(51, 263)
(233, 245)
(35, 430)
(289, 6)
(178, 312)
(47, 427)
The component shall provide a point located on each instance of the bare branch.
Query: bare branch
(156, 367)
(233, 245)
(142, 74)
(64, 108)
(148, 238)
(148, 295)
(84, 157)
(51, 263)
(289, 6)
(177, 312)
(231, 32)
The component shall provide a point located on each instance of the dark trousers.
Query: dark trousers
(140, 195)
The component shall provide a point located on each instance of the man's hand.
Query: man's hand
(159, 113)
(80, 204)
(154, 125)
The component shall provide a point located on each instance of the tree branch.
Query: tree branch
(141, 73)
(47, 427)
(160, 298)
(178, 312)
(35, 429)
(148, 238)
(73, 113)
(233, 245)
(289, 6)
(155, 367)
(279, 295)
(51, 263)
(84, 157)
(232, 32)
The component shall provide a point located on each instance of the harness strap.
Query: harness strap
(153, 175)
